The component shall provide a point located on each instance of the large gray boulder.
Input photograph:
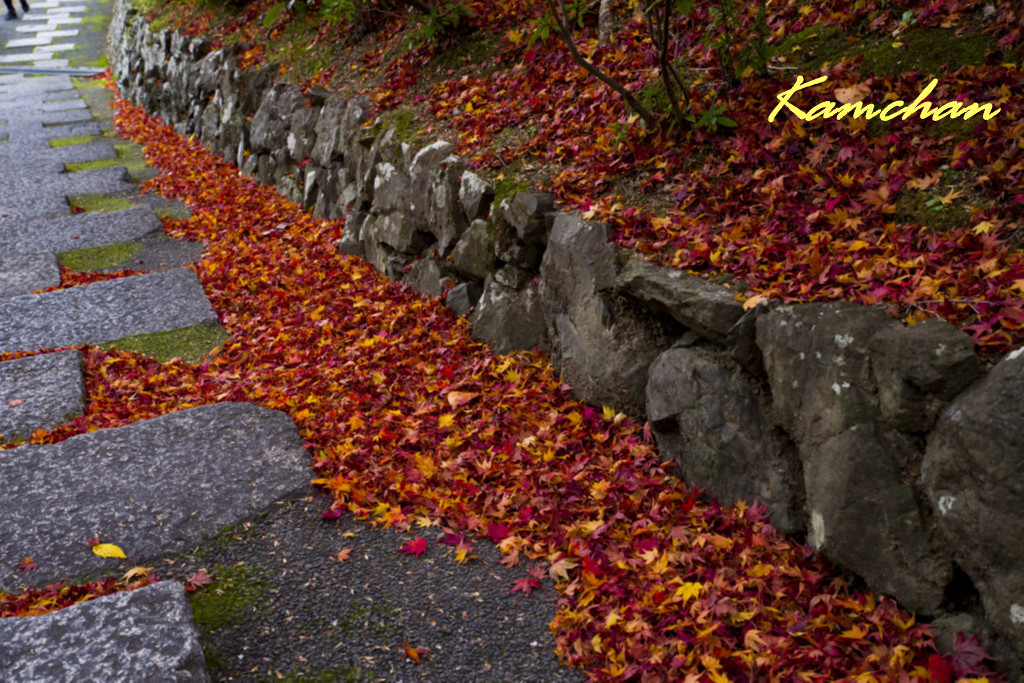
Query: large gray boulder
(527, 213)
(601, 343)
(473, 256)
(337, 125)
(973, 474)
(865, 517)
(863, 507)
(271, 122)
(510, 320)
(919, 369)
(709, 310)
(142, 635)
(475, 195)
(817, 358)
(711, 420)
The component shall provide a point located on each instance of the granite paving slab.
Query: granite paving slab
(76, 231)
(141, 635)
(25, 273)
(104, 311)
(40, 392)
(28, 196)
(153, 488)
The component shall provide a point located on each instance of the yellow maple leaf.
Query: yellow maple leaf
(138, 572)
(950, 196)
(107, 550)
(982, 228)
(515, 36)
(688, 591)
(446, 420)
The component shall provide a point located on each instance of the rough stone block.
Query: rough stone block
(142, 635)
(40, 392)
(153, 487)
(27, 273)
(708, 309)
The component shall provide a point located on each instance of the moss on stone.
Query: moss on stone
(236, 590)
(88, 203)
(188, 343)
(77, 140)
(97, 258)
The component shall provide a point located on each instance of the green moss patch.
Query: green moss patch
(97, 258)
(928, 50)
(87, 203)
(188, 343)
(78, 140)
(236, 590)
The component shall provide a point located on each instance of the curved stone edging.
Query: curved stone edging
(883, 443)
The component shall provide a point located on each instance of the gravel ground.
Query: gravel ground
(282, 604)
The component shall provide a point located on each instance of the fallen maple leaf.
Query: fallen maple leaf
(200, 578)
(136, 572)
(107, 550)
(414, 653)
(560, 570)
(526, 584)
(416, 547)
(27, 565)
(16, 402)
(854, 93)
(460, 398)
(343, 554)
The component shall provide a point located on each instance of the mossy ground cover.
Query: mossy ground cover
(190, 344)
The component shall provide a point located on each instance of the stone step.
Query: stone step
(45, 196)
(104, 311)
(77, 231)
(40, 392)
(25, 273)
(153, 488)
(143, 635)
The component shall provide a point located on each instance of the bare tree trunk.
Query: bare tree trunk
(604, 23)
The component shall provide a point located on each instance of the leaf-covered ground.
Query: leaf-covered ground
(923, 216)
(410, 421)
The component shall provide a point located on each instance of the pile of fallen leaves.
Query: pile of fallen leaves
(799, 211)
(412, 424)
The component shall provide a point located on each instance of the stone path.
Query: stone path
(153, 488)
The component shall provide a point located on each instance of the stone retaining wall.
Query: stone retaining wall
(887, 445)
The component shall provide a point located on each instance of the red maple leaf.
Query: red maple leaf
(200, 578)
(417, 547)
(27, 565)
(526, 584)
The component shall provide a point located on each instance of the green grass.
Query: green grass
(88, 203)
(188, 343)
(97, 258)
(78, 140)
